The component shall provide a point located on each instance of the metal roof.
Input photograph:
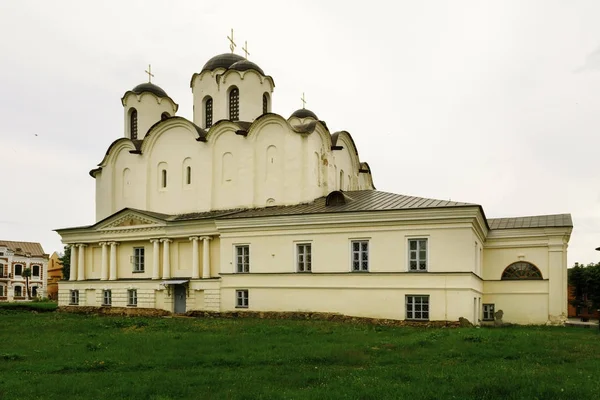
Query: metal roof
(33, 248)
(535, 221)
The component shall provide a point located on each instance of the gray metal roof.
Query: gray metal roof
(536, 221)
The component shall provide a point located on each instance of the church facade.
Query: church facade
(243, 209)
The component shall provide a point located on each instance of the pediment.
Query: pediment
(130, 220)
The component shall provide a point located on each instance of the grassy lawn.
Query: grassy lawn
(39, 306)
(63, 356)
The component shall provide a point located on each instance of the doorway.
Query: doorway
(180, 297)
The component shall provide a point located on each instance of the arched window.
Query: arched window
(208, 112)
(36, 270)
(133, 124)
(188, 175)
(234, 104)
(265, 103)
(163, 178)
(164, 116)
(18, 269)
(521, 270)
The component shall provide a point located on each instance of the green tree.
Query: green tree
(65, 259)
(27, 274)
(585, 280)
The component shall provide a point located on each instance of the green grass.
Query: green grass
(62, 356)
(39, 306)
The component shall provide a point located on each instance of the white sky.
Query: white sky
(490, 102)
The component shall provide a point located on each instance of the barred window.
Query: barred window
(234, 104)
(521, 270)
(208, 112)
(417, 308)
(133, 123)
(360, 255)
(265, 103)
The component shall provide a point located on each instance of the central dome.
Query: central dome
(222, 61)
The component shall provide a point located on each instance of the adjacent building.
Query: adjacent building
(241, 208)
(16, 257)
(55, 274)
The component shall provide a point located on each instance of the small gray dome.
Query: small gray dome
(149, 87)
(304, 113)
(224, 60)
(244, 65)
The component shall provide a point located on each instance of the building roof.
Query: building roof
(304, 113)
(535, 221)
(149, 87)
(224, 60)
(33, 248)
(244, 65)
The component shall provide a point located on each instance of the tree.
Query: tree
(65, 259)
(585, 280)
(27, 274)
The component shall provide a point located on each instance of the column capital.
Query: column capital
(82, 245)
(165, 240)
(206, 237)
(102, 243)
(193, 238)
(155, 240)
(113, 243)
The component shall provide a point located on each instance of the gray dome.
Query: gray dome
(224, 60)
(244, 65)
(304, 113)
(149, 87)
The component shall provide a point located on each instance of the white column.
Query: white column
(73, 267)
(155, 258)
(206, 257)
(113, 261)
(104, 269)
(195, 265)
(81, 263)
(166, 258)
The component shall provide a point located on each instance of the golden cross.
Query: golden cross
(232, 43)
(245, 49)
(149, 72)
(303, 101)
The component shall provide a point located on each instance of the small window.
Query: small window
(188, 175)
(242, 259)
(18, 269)
(265, 103)
(74, 300)
(2, 291)
(417, 308)
(241, 298)
(36, 271)
(132, 297)
(304, 257)
(360, 255)
(133, 122)
(138, 259)
(163, 181)
(208, 112)
(107, 298)
(488, 312)
(234, 104)
(417, 259)
(521, 270)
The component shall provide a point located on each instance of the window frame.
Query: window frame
(234, 104)
(361, 260)
(413, 305)
(188, 175)
(33, 274)
(132, 299)
(301, 266)
(2, 291)
(485, 309)
(133, 124)
(208, 112)
(417, 251)
(15, 270)
(107, 297)
(138, 261)
(242, 298)
(74, 297)
(163, 178)
(239, 268)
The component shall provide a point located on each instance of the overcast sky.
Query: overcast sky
(490, 102)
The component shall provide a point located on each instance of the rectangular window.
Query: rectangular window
(74, 297)
(18, 291)
(241, 298)
(417, 308)
(1, 291)
(488, 312)
(242, 259)
(303, 257)
(138, 259)
(164, 178)
(417, 259)
(107, 298)
(132, 297)
(18, 269)
(36, 271)
(360, 255)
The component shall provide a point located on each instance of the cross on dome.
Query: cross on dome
(245, 49)
(150, 74)
(232, 44)
(303, 101)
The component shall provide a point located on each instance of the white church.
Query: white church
(241, 208)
